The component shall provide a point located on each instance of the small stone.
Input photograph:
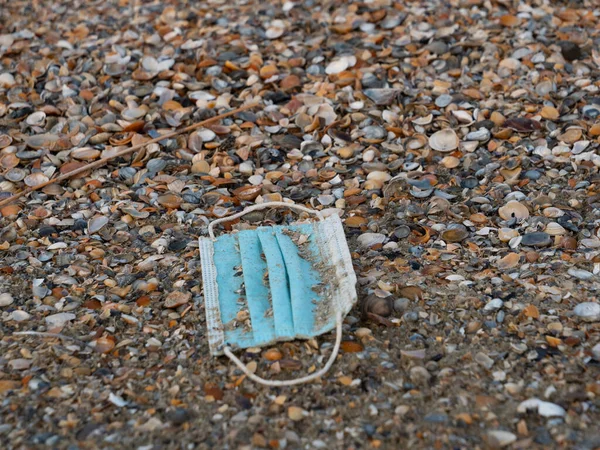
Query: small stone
(59, 320)
(420, 375)
(179, 416)
(493, 305)
(500, 439)
(536, 239)
(545, 409)
(436, 417)
(580, 274)
(484, 360)
(177, 298)
(6, 299)
(20, 364)
(296, 413)
(20, 315)
(588, 311)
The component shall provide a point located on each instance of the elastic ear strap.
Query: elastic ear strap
(306, 379)
(262, 206)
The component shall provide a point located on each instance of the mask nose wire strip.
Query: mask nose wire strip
(306, 379)
(251, 208)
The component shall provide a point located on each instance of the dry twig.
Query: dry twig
(127, 151)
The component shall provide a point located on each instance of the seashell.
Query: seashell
(247, 193)
(367, 240)
(383, 307)
(513, 209)
(134, 113)
(463, 116)
(104, 345)
(337, 66)
(40, 141)
(10, 210)
(5, 140)
(15, 174)
(455, 232)
(95, 224)
(206, 135)
(450, 162)
(425, 120)
(171, 201)
(416, 142)
(555, 229)
(506, 234)
(37, 118)
(444, 140)
(195, 141)
(85, 153)
(35, 179)
(553, 212)
(121, 138)
(9, 161)
(509, 261)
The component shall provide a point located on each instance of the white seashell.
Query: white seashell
(426, 120)
(337, 66)
(444, 140)
(37, 118)
(555, 229)
(463, 116)
(513, 209)
(553, 212)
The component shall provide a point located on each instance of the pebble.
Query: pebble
(537, 239)
(59, 320)
(500, 438)
(580, 274)
(544, 409)
(588, 311)
(484, 360)
(6, 299)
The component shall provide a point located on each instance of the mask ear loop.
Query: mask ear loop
(338, 319)
(251, 208)
(306, 379)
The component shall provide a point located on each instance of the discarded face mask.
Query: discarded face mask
(276, 283)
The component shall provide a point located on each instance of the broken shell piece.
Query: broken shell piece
(514, 209)
(444, 140)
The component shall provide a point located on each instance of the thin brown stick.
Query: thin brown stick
(127, 151)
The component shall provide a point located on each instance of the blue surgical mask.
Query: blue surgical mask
(276, 283)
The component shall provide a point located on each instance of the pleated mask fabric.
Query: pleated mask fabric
(276, 283)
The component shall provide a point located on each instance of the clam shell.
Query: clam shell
(555, 229)
(513, 209)
(15, 174)
(553, 212)
(426, 120)
(444, 140)
(37, 118)
(85, 153)
(416, 142)
(35, 179)
(455, 232)
(5, 140)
